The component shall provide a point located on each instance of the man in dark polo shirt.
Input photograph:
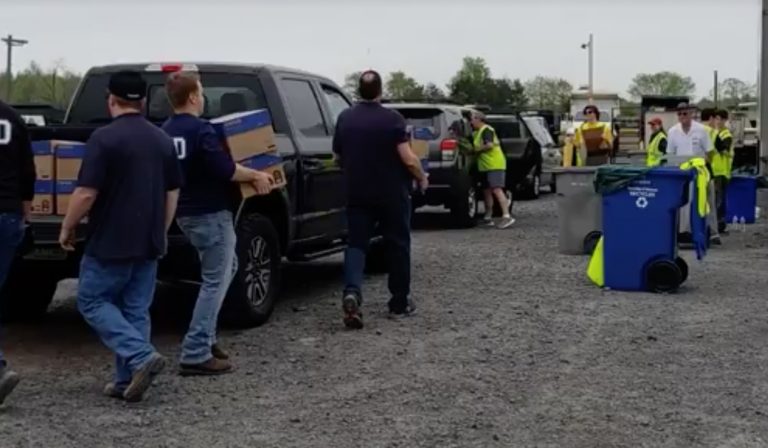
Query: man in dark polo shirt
(17, 188)
(379, 167)
(205, 217)
(128, 186)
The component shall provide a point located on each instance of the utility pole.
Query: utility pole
(717, 104)
(590, 47)
(11, 42)
(763, 89)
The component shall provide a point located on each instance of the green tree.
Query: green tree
(506, 93)
(350, 84)
(549, 93)
(472, 83)
(433, 93)
(53, 86)
(732, 91)
(661, 83)
(399, 85)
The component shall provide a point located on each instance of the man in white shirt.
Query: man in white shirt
(686, 140)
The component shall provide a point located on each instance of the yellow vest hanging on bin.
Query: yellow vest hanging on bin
(702, 181)
(654, 154)
(595, 269)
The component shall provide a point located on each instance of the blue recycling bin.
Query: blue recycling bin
(741, 199)
(640, 226)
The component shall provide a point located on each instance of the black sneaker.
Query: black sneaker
(353, 317)
(398, 314)
(8, 381)
(143, 378)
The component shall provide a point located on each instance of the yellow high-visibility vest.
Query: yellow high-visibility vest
(489, 160)
(654, 154)
(723, 162)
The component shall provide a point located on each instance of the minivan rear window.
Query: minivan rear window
(423, 118)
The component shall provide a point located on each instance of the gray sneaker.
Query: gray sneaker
(112, 391)
(505, 223)
(8, 381)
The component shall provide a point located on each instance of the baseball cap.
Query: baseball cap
(656, 120)
(128, 85)
(685, 106)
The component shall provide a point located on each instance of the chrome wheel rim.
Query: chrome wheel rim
(472, 203)
(258, 271)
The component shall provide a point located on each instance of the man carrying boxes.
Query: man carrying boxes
(17, 186)
(204, 213)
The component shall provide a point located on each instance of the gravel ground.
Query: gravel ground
(512, 348)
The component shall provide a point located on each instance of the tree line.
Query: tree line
(473, 83)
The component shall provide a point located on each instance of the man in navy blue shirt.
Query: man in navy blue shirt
(17, 188)
(379, 167)
(128, 186)
(205, 217)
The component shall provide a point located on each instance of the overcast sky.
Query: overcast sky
(425, 38)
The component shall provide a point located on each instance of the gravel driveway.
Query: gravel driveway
(512, 347)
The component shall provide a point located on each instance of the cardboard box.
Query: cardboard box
(269, 163)
(69, 157)
(42, 204)
(420, 148)
(44, 164)
(246, 134)
(63, 190)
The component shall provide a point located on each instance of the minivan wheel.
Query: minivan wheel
(255, 289)
(533, 189)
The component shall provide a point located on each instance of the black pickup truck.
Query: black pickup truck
(301, 222)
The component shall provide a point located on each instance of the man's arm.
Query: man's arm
(487, 138)
(80, 204)
(411, 161)
(173, 183)
(672, 143)
(663, 145)
(91, 178)
(223, 167)
(723, 145)
(171, 202)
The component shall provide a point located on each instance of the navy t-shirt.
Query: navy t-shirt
(366, 140)
(132, 164)
(206, 167)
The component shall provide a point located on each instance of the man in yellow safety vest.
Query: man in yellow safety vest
(657, 145)
(722, 163)
(492, 165)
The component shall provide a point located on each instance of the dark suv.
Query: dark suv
(524, 139)
(450, 181)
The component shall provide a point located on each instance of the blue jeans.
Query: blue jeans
(11, 235)
(213, 235)
(394, 220)
(114, 298)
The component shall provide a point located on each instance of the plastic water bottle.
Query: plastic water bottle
(757, 213)
(743, 224)
(734, 223)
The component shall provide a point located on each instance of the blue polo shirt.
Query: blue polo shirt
(132, 165)
(206, 167)
(366, 140)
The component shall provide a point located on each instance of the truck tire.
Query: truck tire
(464, 203)
(28, 290)
(533, 188)
(254, 291)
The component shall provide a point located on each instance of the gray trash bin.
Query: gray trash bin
(579, 210)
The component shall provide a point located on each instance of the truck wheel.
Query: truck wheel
(255, 289)
(533, 189)
(28, 291)
(464, 204)
(663, 276)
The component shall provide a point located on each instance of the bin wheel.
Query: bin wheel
(590, 242)
(683, 269)
(663, 276)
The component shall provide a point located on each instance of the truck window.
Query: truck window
(336, 102)
(423, 118)
(225, 93)
(304, 107)
(506, 129)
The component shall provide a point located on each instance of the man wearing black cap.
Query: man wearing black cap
(379, 168)
(17, 186)
(128, 187)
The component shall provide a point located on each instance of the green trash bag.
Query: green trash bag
(612, 178)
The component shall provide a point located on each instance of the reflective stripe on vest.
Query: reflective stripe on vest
(654, 155)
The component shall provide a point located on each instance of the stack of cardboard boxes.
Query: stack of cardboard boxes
(249, 138)
(420, 138)
(57, 163)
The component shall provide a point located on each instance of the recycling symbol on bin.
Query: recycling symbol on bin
(641, 202)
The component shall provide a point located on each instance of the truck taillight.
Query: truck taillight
(448, 149)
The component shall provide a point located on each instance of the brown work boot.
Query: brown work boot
(218, 353)
(211, 367)
(143, 378)
(112, 391)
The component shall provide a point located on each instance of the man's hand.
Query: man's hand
(262, 183)
(67, 239)
(424, 183)
(27, 211)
